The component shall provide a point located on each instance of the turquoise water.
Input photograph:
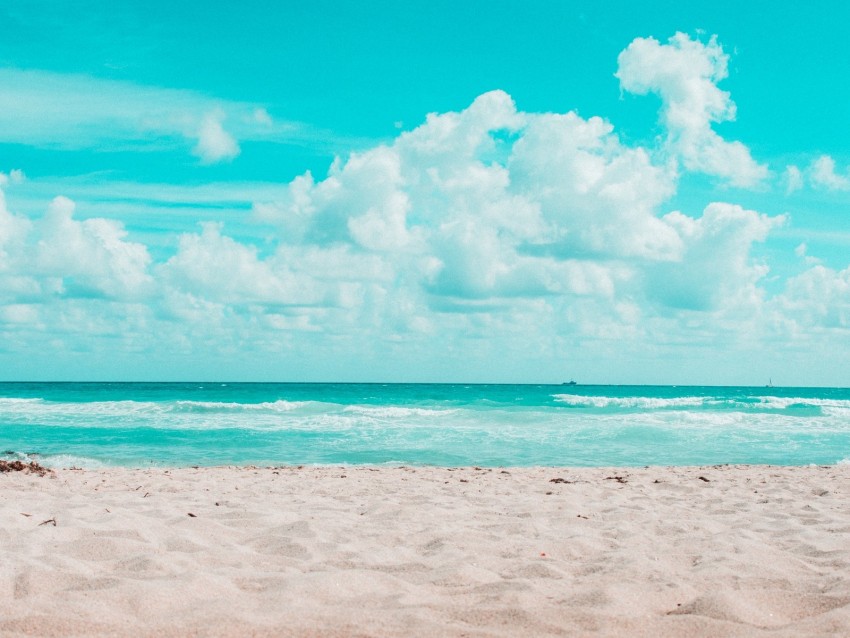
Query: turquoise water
(181, 424)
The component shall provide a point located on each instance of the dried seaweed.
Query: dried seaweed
(19, 466)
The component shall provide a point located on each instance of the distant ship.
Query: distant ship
(570, 382)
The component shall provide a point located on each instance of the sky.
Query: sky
(430, 191)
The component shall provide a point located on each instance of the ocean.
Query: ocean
(204, 424)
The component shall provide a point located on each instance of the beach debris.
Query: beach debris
(19, 466)
(582, 516)
(192, 515)
(464, 481)
(25, 514)
(146, 494)
(49, 521)
(560, 480)
(702, 478)
(549, 493)
(619, 479)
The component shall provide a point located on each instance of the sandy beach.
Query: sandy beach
(377, 551)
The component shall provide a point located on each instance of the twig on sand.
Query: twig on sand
(48, 521)
(619, 479)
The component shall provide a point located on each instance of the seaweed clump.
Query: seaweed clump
(19, 466)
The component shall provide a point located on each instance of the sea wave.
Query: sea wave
(757, 403)
(230, 406)
(130, 407)
(396, 412)
(581, 401)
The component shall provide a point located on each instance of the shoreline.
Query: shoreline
(424, 550)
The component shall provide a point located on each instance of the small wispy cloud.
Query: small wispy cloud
(214, 143)
(822, 173)
(71, 111)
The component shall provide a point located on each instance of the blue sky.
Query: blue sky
(424, 191)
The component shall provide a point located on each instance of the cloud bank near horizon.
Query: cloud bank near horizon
(536, 232)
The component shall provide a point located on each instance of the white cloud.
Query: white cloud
(685, 73)
(714, 270)
(819, 297)
(217, 268)
(214, 143)
(261, 116)
(15, 176)
(793, 179)
(57, 256)
(487, 208)
(822, 173)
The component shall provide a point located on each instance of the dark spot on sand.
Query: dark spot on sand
(560, 480)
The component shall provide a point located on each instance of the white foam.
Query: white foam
(68, 461)
(395, 412)
(578, 400)
(786, 402)
(278, 406)
(834, 406)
